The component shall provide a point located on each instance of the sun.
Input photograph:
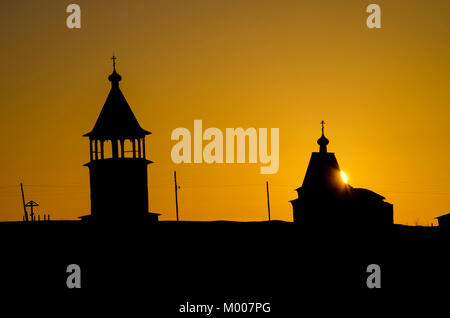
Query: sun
(344, 176)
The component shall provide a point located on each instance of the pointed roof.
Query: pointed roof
(323, 177)
(116, 119)
(323, 172)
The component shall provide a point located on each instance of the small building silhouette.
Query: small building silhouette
(118, 164)
(444, 222)
(325, 200)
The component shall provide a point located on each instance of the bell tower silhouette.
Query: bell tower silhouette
(118, 164)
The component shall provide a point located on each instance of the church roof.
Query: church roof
(323, 177)
(116, 119)
(445, 216)
(323, 171)
(366, 194)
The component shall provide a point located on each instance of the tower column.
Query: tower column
(139, 148)
(115, 149)
(102, 152)
(90, 149)
(143, 147)
(122, 149)
(96, 149)
(134, 147)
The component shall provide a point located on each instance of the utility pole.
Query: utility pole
(176, 192)
(268, 201)
(23, 202)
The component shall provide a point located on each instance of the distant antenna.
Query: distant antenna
(268, 201)
(23, 202)
(176, 192)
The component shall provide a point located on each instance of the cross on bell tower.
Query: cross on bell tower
(114, 58)
(118, 164)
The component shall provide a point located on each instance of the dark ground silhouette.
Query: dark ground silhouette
(169, 262)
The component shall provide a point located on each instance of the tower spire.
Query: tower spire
(114, 78)
(323, 141)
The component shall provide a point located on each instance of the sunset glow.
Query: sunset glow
(344, 177)
(263, 64)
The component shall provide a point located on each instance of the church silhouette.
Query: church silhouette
(326, 199)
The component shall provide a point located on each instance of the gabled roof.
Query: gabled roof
(116, 119)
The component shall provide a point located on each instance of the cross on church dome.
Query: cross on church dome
(323, 141)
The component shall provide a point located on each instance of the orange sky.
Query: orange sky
(285, 64)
